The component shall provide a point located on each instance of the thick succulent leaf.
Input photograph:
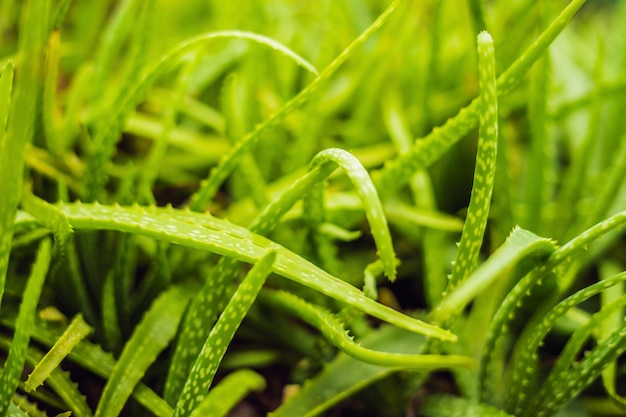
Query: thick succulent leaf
(202, 374)
(485, 170)
(49, 216)
(520, 244)
(75, 332)
(238, 243)
(426, 151)
(211, 299)
(508, 309)
(93, 358)
(338, 336)
(112, 127)
(6, 87)
(524, 370)
(371, 203)
(22, 108)
(449, 406)
(24, 326)
(345, 375)
(228, 393)
(219, 174)
(58, 381)
(150, 337)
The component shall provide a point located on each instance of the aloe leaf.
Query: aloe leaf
(155, 331)
(566, 385)
(337, 335)
(615, 223)
(202, 374)
(24, 326)
(499, 327)
(73, 107)
(92, 358)
(238, 243)
(616, 171)
(509, 306)
(116, 300)
(210, 300)
(427, 150)
(203, 308)
(15, 411)
(610, 325)
(520, 244)
(28, 406)
(449, 406)
(541, 179)
(21, 123)
(75, 332)
(110, 320)
(48, 215)
(6, 87)
(67, 390)
(50, 101)
(568, 359)
(234, 110)
(59, 13)
(482, 286)
(524, 366)
(142, 34)
(345, 375)
(430, 219)
(230, 391)
(57, 380)
(423, 212)
(159, 149)
(371, 203)
(484, 172)
(111, 42)
(111, 128)
(70, 276)
(219, 174)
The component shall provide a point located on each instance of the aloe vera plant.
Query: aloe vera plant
(210, 207)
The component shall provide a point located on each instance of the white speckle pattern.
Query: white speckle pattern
(478, 210)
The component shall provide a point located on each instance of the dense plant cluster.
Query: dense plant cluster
(377, 208)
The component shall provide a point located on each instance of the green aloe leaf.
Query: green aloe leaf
(108, 135)
(484, 172)
(210, 300)
(202, 374)
(338, 336)
(24, 326)
(155, 331)
(94, 359)
(552, 394)
(75, 332)
(345, 376)
(58, 381)
(22, 108)
(48, 215)
(219, 174)
(519, 245)
(174, 226)
(562, 387)
(369, 198)
(525, 363)
(509, 307)
(427, 150)
(6, 87)
(230, 390)
(449, 406)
